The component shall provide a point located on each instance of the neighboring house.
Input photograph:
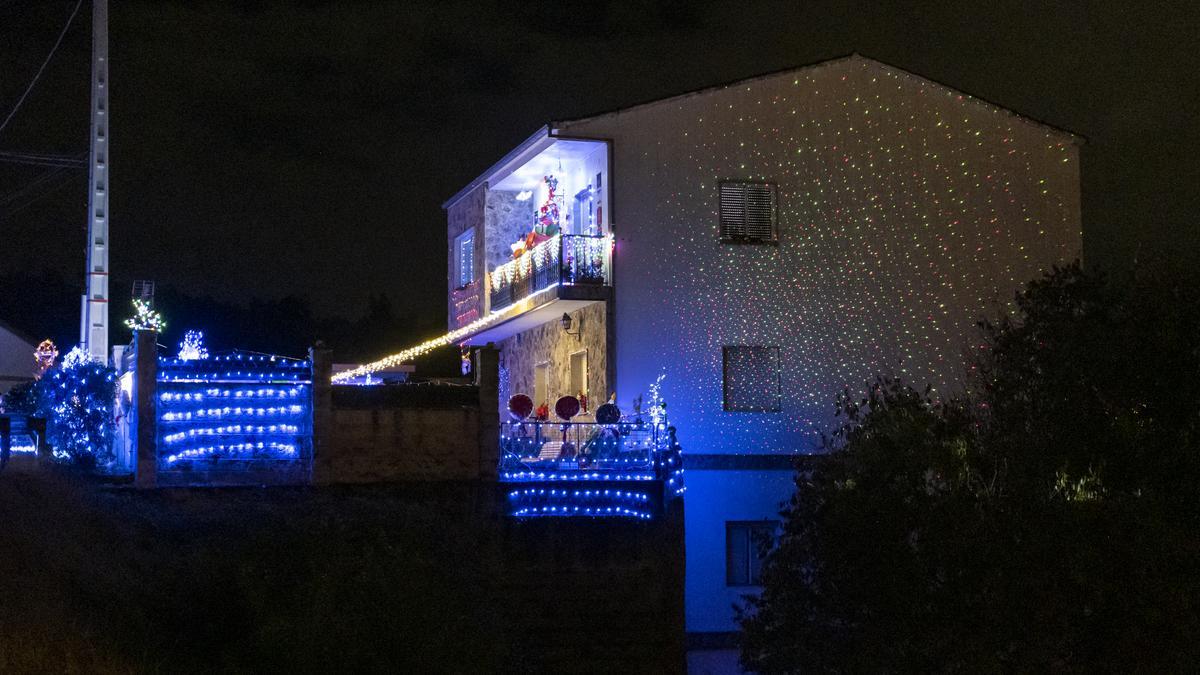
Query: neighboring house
(767, 244)
(16, 358)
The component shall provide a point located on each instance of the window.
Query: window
(748, 212)
(464, 257)
(578, 374)
(751, 377)
(541, 384)
(583, 212)
(746, 543)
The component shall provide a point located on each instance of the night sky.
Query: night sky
(266, 149)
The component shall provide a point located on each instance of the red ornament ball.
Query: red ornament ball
(520, 406)
(566, 407)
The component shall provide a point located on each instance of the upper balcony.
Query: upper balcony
(563, 260)
(530, 239)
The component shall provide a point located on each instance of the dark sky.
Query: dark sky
(267, 148)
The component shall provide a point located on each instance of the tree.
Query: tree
(76, 398)
(1042, 520)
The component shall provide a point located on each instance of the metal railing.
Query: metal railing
(567, 259)
(550, 451)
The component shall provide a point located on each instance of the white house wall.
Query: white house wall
(907, 211)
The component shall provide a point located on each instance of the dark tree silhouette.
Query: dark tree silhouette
(1043, 520)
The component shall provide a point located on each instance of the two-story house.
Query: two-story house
(766, 244)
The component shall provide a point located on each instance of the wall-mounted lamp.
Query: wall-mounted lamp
(567, 323)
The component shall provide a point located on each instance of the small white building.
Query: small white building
(766, 243)
(16, 358)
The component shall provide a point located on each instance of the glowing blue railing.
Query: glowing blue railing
(589, 469)
(234, 412)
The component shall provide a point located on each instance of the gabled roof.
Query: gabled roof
(852, 57)
(18, 334)
(549, 129)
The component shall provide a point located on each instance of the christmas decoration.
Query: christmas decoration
(192, 346)
(658, 407)
(548, 219)
(566, 407)
(145, 318)
(76, 398)
(520, 406)
(44, 356)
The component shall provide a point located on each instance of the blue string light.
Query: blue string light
(233, 408)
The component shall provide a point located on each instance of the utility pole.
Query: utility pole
(93, 329)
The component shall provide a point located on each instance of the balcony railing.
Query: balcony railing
(566, 259)
(589, 469)
(580, 451)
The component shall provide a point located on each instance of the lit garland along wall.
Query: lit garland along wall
(596, 250)
(906, 211)
(233, 412)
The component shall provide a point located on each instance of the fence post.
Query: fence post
(487, 378)
(5, 439)
(320, 461)
(145, 405)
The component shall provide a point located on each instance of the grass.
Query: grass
(98, 579)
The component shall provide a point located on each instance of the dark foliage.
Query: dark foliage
(46, 305)
(76, 399)
(1044, 521)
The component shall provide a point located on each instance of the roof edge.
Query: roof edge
(541, 133)
(853, 56)
(19, 334)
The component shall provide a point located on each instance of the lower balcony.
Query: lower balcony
(626, 469)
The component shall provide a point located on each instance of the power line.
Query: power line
(65, 161)
(49, 188)
(38, 74)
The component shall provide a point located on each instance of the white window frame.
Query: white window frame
(459, 269)
(571, 372)
(733, 406)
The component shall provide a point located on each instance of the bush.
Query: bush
(1042, 521)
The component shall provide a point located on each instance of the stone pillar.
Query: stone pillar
(5, 439)
(487, 378)
(38, 426)
(321, 459)
(145, 406)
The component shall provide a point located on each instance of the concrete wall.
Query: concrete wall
(416, 432)
(548, 343)
(713, 498)
(387, 444)
(906, 212)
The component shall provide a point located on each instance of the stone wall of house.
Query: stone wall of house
(506, 219)
(460, 216)
(548, 343)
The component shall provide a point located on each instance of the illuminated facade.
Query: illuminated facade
(766, 244)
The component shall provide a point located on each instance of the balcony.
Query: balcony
(564, 260)
(627, 469)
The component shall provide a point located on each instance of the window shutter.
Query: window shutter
(747, 212)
